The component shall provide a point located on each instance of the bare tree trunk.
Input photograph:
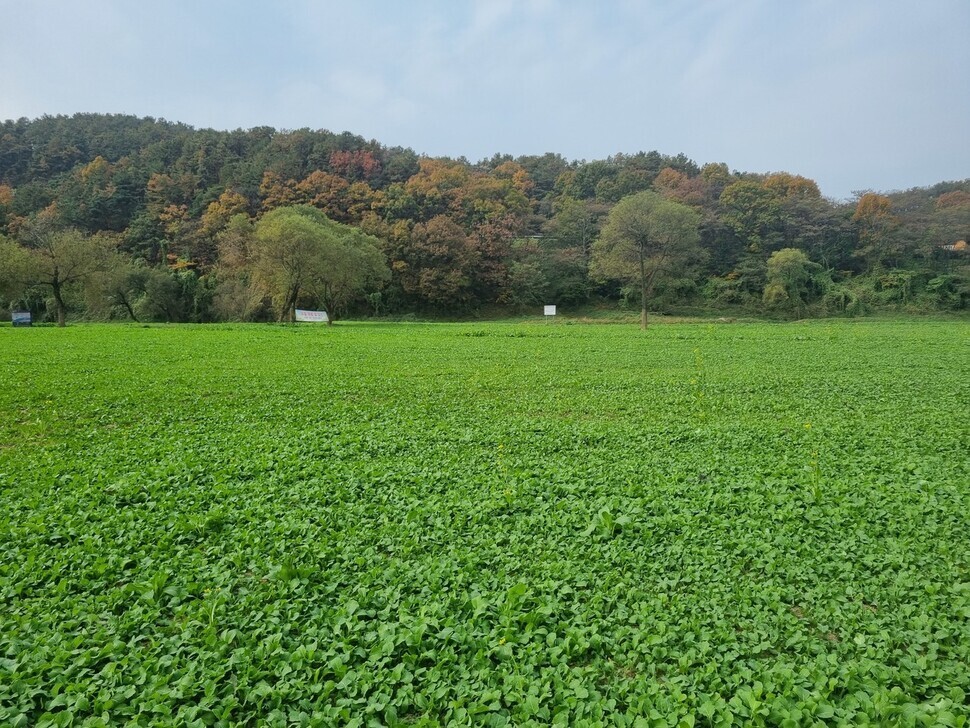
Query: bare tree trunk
(61, 308)
(128, 308)
(288, 313)
(644, 292)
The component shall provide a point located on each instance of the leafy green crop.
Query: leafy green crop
(485, 525)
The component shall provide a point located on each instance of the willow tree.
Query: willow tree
(52, 259)
(645, 239)
(298, 255)
(793, 280)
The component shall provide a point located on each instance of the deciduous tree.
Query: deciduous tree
(218, 213)
(752, 211)
(793, 280)
(646, 237)
(298, 254)
(877, 226)
(437, 263)
(118, 287)
(55, 259)
(14, 263)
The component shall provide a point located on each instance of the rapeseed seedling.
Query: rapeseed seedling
(485, 525)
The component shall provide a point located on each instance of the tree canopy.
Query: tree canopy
(299, 255)
(54, 259)
(183, 207)
(647, 237)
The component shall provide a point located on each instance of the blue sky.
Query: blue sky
(856, 94)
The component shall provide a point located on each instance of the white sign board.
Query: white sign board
(549, 310)
(312, 316)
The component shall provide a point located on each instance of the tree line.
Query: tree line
(119, 217)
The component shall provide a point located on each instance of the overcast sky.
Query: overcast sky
(856, 94)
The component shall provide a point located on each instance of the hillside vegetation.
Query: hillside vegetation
(162, 216)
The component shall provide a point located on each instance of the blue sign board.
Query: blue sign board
(20, 318)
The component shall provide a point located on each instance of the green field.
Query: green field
(485, 524)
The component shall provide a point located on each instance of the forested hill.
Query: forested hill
(182, 208)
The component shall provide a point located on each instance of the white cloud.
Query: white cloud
(863, 94)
